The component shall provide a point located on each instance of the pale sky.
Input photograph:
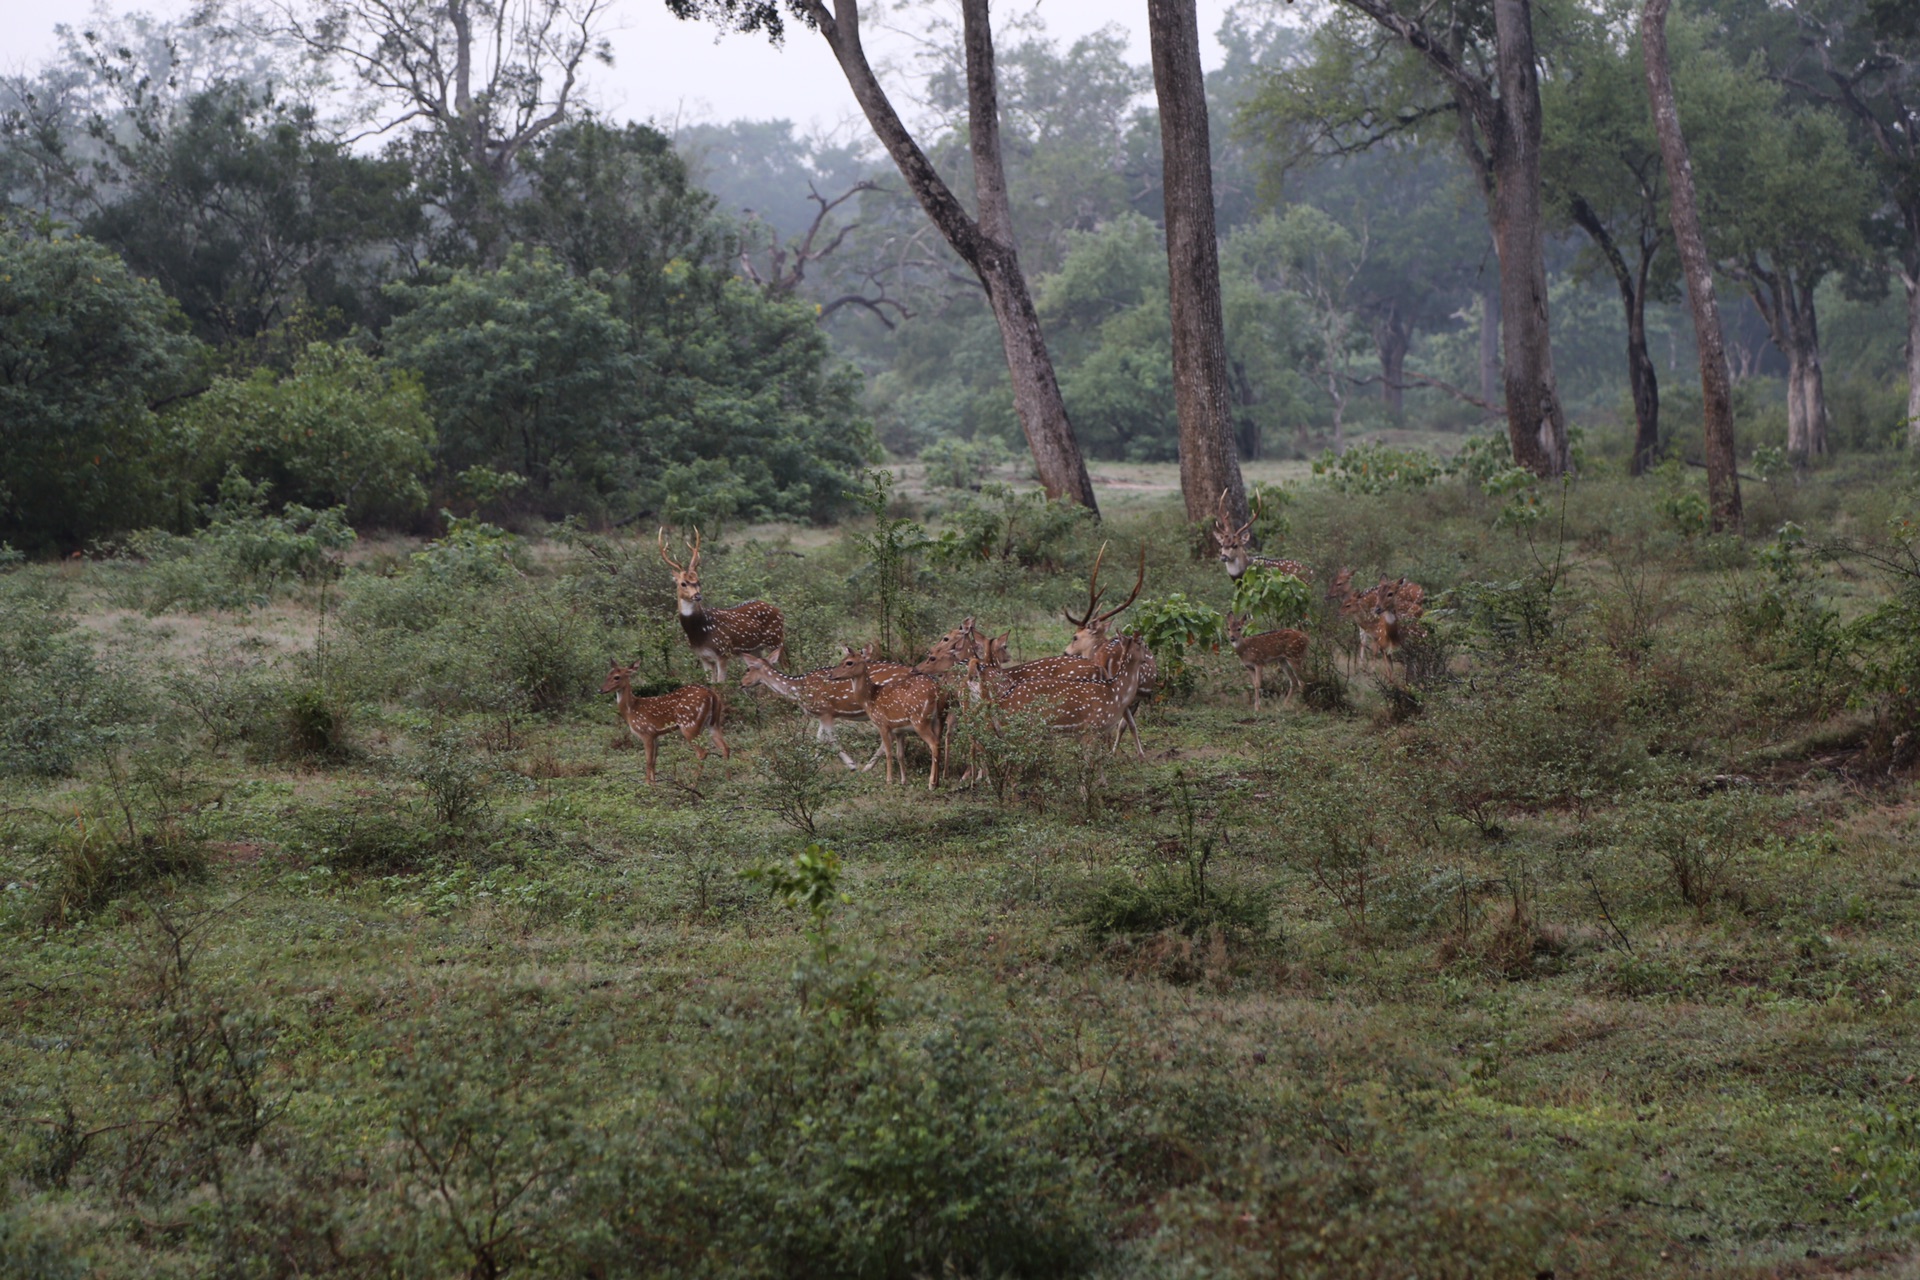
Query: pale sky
(665, 69)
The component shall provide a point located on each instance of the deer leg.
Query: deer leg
(1257, 673)
(726, 752)
(1134, 729)
(823, 732)
(653, 750)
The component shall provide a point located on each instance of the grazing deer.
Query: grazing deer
(911, 701)
(1285, 648)
(719, 634)
(690, 710)
(826, 700)
(1236, 549)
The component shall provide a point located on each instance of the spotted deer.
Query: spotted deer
(826, 700)
(690, 710)
(718, 634)
(1093, 642)
(1236, 548)
(911, 701)
(1285, 648)
(1387, 615)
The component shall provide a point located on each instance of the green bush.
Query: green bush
(57, 703)
(1374, 468)
(1171, 626)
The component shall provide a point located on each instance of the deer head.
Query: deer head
(1236, 626)
(619, 677)
(1235, 542)
(759, 670)
(1090, 628)
(686, 578)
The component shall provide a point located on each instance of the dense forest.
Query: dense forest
(588, 317)
(1385, 577)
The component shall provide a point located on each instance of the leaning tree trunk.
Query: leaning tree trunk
(1716, 387)
(1536, 427)
(1036, 389)
(1209, 465)
(1642, 380)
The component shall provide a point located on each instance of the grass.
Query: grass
(1448, 992)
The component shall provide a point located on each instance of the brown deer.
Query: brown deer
(826, 700)
(1286, 649)
(911, 701)
(1236, 548)
(1093, 642)
(718, 634)
(690, 710)
(1387, 615)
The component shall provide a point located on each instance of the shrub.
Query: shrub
(1374, 468)
(953, 463)
(1272, 598)
(57, 703)
(90, 861)
(1175, 896)
(371, 835)
(1027, 529)
(1172, 625)
(800, 777)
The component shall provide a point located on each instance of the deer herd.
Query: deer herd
(1093, 689)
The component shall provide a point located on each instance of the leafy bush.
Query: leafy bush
(1171, 626)
(338, 431)
(1374, 468)
(1272, 598)
(954, 463)
(1027, 529)
(244, 554)
(1176, 897)
(57, 704)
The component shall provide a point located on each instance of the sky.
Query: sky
(669, 71)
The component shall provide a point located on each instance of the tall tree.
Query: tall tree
(1716, 387)
(1209, 467)
(485, 78)
(984, 243)
(1483, 75)
(1863, 58)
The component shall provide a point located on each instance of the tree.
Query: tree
(1716, 387)
(1862, 57)
(1601, 169)
(985, 243)
(247, 214)
(87, 352)
(1209, 467)
(525, 368)
(1320, 261)
(1483, 76)
(484, 78)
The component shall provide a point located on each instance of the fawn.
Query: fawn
(689, 709)
(910, 701)
(1286, 648)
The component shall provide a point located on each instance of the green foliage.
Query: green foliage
(470, 553)
(1178, 896)
(1682, 503)
(58, 704)
(525, 369)
(808, 881)
(86, 349)
(1173, 624)
(244, 555)
(1273, 598)
(337, 431)
(890, 545)
(1483, 458)
(800, 777)
(1374, 468)
(1002, 523)
(90, 860)
(1885, 644)
(1884, 1145)
(953, 463)
(1787, 617)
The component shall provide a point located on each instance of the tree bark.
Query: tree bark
(1911, 281)
(1716, 391)
(1490, 341)
(1392, 335)
(987, 245)
(1209, 465)
(1535, 424)
(1786, 304)
(1642, 380)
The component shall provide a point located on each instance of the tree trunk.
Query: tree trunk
(1393, 336)
(1911, 280)
(1535, 425)
(1642, 379)
(1716, 390)
(1208, 463)
(1786, 305)
(1490, 341)
(1036, 389)
(1814, 380)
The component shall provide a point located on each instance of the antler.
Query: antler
(663, 552)
(1093, 593)
(1139, 581)
(693, 560)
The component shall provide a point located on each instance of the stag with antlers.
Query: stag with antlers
(1092, 642)
(716, 635)
(1236, 549)
(690, 710)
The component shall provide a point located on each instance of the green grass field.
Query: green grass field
(342, 935)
